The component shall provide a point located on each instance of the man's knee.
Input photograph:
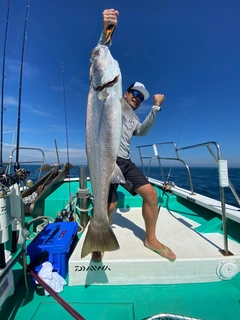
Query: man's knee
(146, 190)
(152, 195)
(148, 193)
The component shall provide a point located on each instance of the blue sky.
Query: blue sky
(186, 49)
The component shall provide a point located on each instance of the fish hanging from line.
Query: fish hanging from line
(103, 134)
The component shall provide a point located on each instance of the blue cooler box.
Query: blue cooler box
(56, 238)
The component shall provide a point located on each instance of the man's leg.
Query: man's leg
(150, 216)
(111, 208)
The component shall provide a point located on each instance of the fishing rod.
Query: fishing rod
(3, 83)
(17, 166)
(66, 126)
(65, 110)
(19, 173)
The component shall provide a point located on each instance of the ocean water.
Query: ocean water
(205, 180)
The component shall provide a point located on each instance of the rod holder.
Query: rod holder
(84, 218)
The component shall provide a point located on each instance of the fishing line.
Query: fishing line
(165, 183)
(66, 126)
(180, 133)
(13, 133)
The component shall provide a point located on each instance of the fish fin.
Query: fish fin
(99, 238)
(103, 94)
(117, 175)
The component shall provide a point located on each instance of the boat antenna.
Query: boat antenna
(66, 126)
(20, 87)
(3, 82)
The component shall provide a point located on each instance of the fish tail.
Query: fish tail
(99, 238)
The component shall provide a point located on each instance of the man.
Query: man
(136, 182)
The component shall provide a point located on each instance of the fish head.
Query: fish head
(104, 70)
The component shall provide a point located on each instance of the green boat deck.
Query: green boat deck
(209, 300)
(130, 302)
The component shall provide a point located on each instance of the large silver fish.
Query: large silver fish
(103, 133)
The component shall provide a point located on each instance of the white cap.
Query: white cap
(138, 86)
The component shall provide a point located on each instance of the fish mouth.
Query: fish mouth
(108, 84)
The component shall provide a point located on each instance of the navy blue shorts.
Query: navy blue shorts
(133, 176)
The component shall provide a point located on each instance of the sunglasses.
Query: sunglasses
(137, 95)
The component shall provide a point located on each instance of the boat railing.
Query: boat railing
(156, 156)
(177, 158)
(170, 316)
(222, 171)
(40, 161)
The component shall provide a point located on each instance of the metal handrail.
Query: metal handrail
(29, 162)
(170, 316)
(229, 182)
(216, 158)
(185, 164)
(177, 158)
